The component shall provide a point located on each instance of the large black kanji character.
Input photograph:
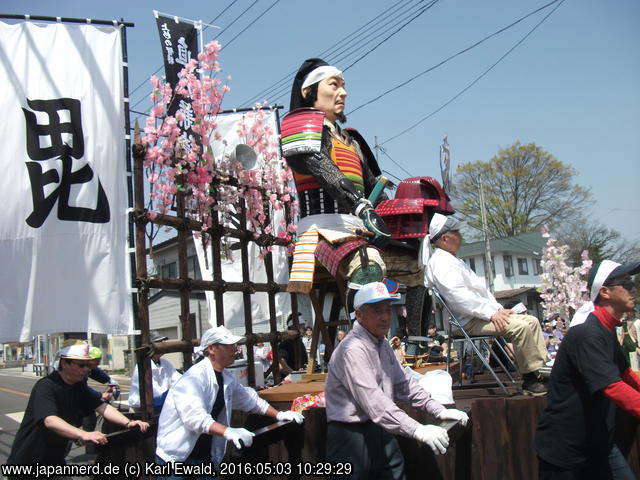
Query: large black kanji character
(62, 138)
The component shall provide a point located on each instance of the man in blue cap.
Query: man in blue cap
(364, 380)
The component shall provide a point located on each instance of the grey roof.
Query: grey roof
(529, 243)
(513, 292)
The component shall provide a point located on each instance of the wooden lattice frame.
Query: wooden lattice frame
(184, 284)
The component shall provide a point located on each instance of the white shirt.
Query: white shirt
(307, 342)
(187, 411)
(261, 353)
(466, 294)
(162, 376)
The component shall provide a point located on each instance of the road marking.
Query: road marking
(16, 417)
(15, 392)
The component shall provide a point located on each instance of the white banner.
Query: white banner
(63, 192)
(228, 126)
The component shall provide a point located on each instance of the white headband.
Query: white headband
(604, 270)
(320, 74)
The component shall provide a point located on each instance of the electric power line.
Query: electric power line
(392, 175)
(250, 24)
(396, 163)
(350, 52)
(433, 2)
(237, 18)
(478, 78)
(451, 57)
(146, 81)
(344, 49)
(286, 80)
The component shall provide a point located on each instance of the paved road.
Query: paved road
(15, 388)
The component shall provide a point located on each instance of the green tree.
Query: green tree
(524, 186)
(601, 242)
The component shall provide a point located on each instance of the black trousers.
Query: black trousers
(613, 467)
(372, 452)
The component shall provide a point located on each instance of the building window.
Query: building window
(169, 270)
(472, 264)
(508, 265)
(493, 265)
(523, 266)
(537, 267)
(194, 268)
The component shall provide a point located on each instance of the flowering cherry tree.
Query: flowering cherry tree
(564, 288)
(176, 161)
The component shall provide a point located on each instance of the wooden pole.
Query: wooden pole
(183, 268)
(140, 218)
(246, 295)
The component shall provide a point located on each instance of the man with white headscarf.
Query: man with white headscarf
(590, 377)
(475, 307)
(334, 170)
(193, 427)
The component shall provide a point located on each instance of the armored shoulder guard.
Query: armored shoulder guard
(301, 131)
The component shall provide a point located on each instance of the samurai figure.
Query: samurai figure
(335, 171)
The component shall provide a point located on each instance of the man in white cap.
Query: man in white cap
(364, 380)
(590, 377)
(163, 376)
(475, 307)
(55, 409)
(194, 423)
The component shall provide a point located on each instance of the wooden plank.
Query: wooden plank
(289, 391)
(314, 377)
(492, 455)
(522, 420)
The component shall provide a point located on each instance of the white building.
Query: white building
(516, 268)
(164, 305)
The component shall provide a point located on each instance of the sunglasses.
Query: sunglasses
(627, 284)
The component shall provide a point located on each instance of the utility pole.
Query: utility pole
(375, 147)
(488, 271)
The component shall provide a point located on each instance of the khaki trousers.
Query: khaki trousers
(524, 332)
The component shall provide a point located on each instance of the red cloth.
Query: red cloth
(606, 318)
(624, 396)
(331, 256)
(631, 378)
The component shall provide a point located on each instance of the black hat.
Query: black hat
(296, 90)
(630, 269)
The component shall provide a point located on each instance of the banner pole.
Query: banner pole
(43, 18)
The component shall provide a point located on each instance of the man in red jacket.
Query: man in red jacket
(590, 377)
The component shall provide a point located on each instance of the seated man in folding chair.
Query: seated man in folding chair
(475, 307)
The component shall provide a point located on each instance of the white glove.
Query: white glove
(436, 437)
(453, 414)
(237, 434)
(290, 416)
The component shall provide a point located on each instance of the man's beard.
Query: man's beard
(341, 117)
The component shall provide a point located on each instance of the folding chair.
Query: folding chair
(453, 325)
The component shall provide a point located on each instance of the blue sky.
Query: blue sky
(571, 87)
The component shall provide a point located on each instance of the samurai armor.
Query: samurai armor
(301, 131)
(416, 200)
(330, 256)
